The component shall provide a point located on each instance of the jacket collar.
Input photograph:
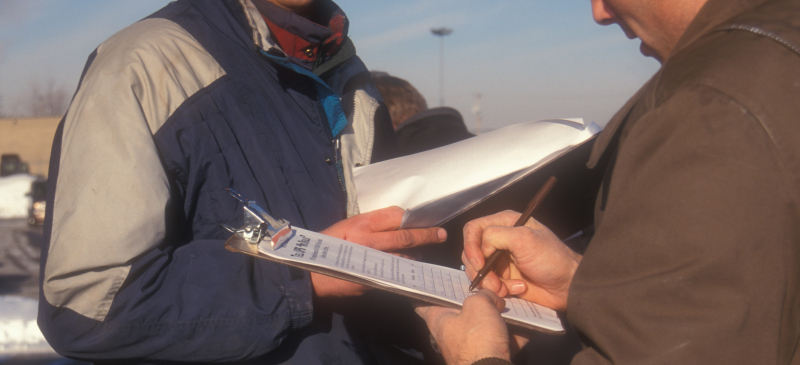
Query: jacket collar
(614, 126)
(305, 29)
(711, 15)
(305, 42)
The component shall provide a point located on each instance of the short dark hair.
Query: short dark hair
(402, 99)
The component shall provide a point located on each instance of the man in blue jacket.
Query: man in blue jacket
(265, 97)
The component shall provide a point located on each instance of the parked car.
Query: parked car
(11, 164)
(38, 195)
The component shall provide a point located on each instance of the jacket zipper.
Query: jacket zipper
(335, 143)
(318, 58)
(338, 162)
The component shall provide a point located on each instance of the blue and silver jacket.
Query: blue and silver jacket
(170, 112)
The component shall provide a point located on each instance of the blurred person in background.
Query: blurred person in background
(418, 128)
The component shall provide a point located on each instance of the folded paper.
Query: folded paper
(435, 185)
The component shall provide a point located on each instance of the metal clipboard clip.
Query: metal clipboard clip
(258, 224)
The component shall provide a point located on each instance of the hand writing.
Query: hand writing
(539, 268)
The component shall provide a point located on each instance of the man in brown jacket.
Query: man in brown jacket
(696, 255)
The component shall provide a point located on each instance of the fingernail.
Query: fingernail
(517, 288)
(442, 234)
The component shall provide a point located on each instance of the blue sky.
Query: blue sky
(530, 59)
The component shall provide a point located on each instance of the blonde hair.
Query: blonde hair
(402, 99)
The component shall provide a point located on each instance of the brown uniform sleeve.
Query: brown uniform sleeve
(693, 258)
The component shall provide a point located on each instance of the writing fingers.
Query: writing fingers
(474, 247)
(515, 286)
(504, 238)
(491, 281)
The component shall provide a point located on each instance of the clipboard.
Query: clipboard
(282, 239)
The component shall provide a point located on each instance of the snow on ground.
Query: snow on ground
(19, 334)
(14, 201)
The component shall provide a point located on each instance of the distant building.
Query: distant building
(31, 139)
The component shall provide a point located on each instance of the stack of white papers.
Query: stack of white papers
(435, 185)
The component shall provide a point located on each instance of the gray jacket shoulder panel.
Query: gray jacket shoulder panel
(138, 78)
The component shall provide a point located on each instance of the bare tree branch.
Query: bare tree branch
(47, 101)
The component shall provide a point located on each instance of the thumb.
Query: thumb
(515, 286)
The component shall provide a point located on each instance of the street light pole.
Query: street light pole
(441, 33)
(476, 109)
